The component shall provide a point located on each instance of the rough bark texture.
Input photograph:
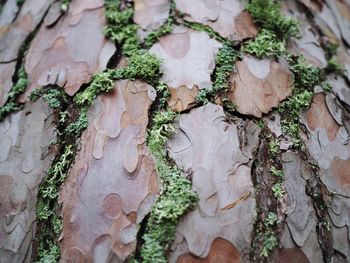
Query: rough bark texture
(264, 147)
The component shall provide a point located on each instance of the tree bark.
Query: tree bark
(266, 155)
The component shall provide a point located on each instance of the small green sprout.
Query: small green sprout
(274, 147)
(269, 243)
(276, 172)
(277, 190)
(270, 220)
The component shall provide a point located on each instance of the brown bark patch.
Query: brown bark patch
(318, 116)
(341, 171)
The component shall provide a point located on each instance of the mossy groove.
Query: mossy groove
(224, 66)
(72, 121)
(19, 78)
(276, 29)
(267, 176)
(176, 195)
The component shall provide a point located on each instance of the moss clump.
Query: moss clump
(224, 66)
(153, 36)
(305, 78)
(8, 108)
(101, 82)
(80, 124)
(11, 103)
(270, 241)
(333, 66)
(326, 87)
(121, 28)
(48, 250)
(265, 44)
(176, 196)
(49, 255)
(330, 50)
(142, 65)
(163, 93)
(268, 15)
(54, 96)
(20, 86)
(204, 28)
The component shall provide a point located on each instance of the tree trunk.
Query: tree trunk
(174, 131)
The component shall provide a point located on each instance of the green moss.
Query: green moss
(20, 86)
(277, 190)
(101, 82)
(267, 14)
(326, 86)
(51, 254)
(204, 28)
(142, 65)
(297, 102)
(305, 78)
(81, 123)
(265, 44)
(36, 94)
(274, 147)
(331, 50)
(270, 241)
(8, 108)
(203, 96)
(224, 65)
(176, 196)
(270, 220)
(121, 28)
(163, 93)
(165, 29)
(47, 201)
(333, 66)
(54, 96)
(154, 36)
(276, 172)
